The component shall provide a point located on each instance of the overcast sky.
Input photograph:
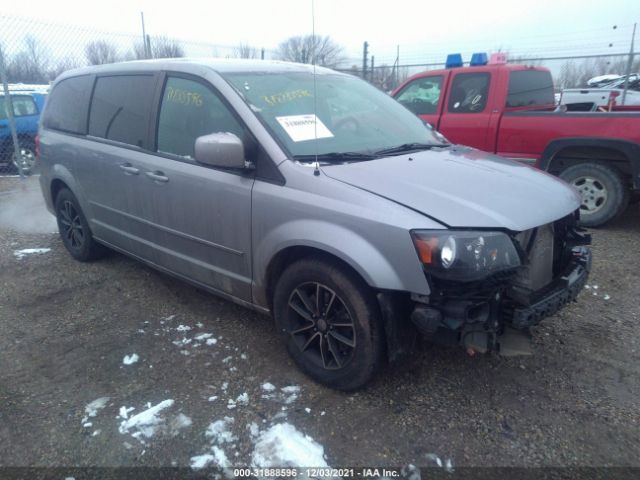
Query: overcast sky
(425, 30)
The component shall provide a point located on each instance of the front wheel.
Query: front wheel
(604, 195)
(331, 323)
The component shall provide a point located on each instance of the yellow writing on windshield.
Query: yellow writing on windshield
(285, 97)
(184, 97)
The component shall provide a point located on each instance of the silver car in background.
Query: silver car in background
(311, 196)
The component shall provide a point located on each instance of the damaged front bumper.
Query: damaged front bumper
(562, 291)
(498, 319)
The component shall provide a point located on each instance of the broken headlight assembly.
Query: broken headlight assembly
(465, 256)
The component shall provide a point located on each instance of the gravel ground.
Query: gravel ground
(65, 328)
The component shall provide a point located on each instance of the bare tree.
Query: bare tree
(244, 50)
(30, 65)
(164, 47)
(100, 52)
(159, 47)
(63, 65)
(308, 48)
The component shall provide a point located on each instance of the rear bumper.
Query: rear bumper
(563, 290)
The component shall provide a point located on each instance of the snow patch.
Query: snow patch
(211, 341)
(183, 328)
(200, 461)
(219, 431)
(447, 465)
(283, 445)
(147, 422)
(92, 409)
(130, 359)
(268, 387)
(19, 254)
(203, 336)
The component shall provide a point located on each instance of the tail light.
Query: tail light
(37, 145)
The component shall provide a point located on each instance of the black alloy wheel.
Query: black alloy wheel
(71, 226)
(322, 327)
(330, 321)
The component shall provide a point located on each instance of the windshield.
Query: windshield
(352, 116)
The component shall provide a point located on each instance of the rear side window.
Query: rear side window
(68, 104)
(189, 110)
(469, 93)
(422, 95)
(120, 108)
(23, 106)
(530, 87)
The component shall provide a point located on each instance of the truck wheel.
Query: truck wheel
(604, 195)
(74, 229)
(26, 161)
(331, 323)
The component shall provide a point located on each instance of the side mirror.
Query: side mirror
(220, 150)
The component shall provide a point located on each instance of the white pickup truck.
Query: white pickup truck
(587, 99)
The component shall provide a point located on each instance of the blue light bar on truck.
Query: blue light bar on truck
(478, 59)
(453, 60)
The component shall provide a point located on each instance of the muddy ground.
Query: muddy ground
(65, 328)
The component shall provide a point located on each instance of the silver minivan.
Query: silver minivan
(309, 195)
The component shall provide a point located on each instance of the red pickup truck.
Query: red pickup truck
(510, 110)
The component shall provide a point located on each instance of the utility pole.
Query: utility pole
(365, 57)
(8, 104)
(372, 77)
(397, 65)
(629, 65)
(262, 54)
(144, 37)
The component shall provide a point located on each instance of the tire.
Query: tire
(604, 195)
(74, 229)
(343, 346)
(27, 161)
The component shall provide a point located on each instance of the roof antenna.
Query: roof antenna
(316, 170)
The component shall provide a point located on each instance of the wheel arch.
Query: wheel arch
(622, 155)
(288, 255)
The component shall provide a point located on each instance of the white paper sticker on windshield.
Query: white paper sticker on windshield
(300, 127)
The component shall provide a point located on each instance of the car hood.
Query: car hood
(464, 187)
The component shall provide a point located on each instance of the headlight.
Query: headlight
(465, 255)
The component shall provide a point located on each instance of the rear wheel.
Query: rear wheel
(604, 195)
(331, 323)
(74, 229)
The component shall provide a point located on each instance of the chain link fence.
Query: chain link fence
(34, 52)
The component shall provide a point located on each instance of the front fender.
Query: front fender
(349, 246)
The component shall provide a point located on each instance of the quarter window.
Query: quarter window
(422, 95)
(469, 93)
(67, 105)
(190, 110)
(120, 108)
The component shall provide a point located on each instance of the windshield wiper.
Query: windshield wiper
(407, 147)
(336, 157)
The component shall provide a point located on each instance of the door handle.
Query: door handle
(158, 177)
(129, 169)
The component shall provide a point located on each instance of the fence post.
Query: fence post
(8, 106)
(629, 65)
